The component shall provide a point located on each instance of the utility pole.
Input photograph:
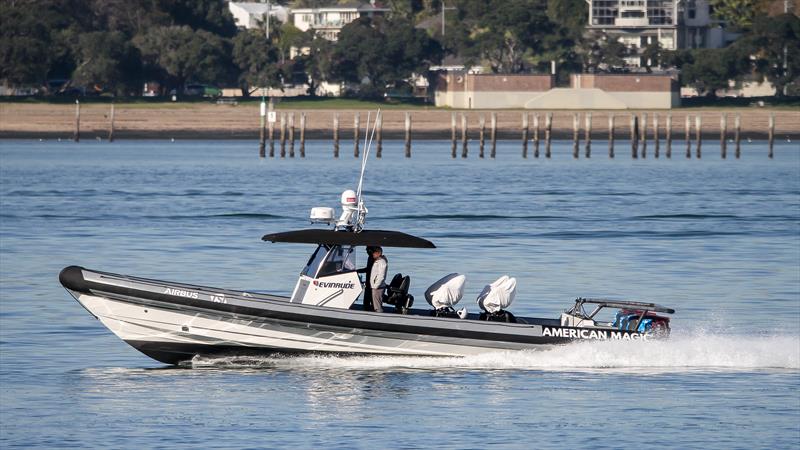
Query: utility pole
(444, 8)
(268, 8)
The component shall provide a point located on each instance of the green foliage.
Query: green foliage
(24, 47)
(380, 54)
(600, 53)
(405, 9)
(708, 70)
(130, 17)
(736, 13)
(507, 34)
(208, 15)
(181, 54)
(107, 59)
(775, 42)
(33, 39)
(256, 60)
(317, 63)
(570, 14)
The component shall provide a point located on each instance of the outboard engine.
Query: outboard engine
(446, 293)
(396, 294)
(496, 297)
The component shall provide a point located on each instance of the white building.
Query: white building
(329, 21)
(251, 15)
(673, 24)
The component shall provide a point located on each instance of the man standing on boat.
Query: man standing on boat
(377, 277)
(367, 285)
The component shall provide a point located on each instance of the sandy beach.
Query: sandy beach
(212, 121)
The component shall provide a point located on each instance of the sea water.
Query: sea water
(718, 240)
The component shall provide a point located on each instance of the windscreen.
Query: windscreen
(314, 262)
(341, 258)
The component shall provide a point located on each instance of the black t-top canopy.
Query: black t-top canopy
(364, 237)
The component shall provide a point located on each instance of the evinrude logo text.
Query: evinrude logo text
(592, 334)
(181, 293)
(328, 284)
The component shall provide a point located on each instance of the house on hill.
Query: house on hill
(328, 21)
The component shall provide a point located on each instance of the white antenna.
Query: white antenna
(368, 136)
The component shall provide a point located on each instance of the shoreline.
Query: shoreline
(242, 122)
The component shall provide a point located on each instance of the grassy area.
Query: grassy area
(331, 103)
(280, 102)
(736, 102)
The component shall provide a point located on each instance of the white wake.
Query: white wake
(677, 354)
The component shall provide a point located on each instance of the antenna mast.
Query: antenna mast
(362, 210)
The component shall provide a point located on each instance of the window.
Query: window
(340, 259)
(314, 261)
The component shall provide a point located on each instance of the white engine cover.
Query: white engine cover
(498, 295)
(446, 292)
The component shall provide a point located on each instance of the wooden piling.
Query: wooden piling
(379, 135)
(525, 134)
(737, 124)
(688, 136)
(463, 135)
(656, 140)
(283, 135)
(576, 138)
(771, 134)
(453, 135)
(536, 135)
(548, 133)
(482, 136)
(76, 136)
(291, 135)
(335, 135)
(356, 129)
(634, 136)
(408, 135)
(668, 131)
(611, 135)
(698, 129)
(643, 134)
(588, 135)
(271, 135)
(723, 135)
(493, 135)
(111, 127)
(302, 135)
(262, 131)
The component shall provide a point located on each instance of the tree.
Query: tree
(209, 15)
(317, 62)
(708, 70)
(602, 53)
(738, 14)
(130, 17)
(380, 54)
(775, 43)
(652, 55)
(257, 61)
(570, 14)
(286, 36)
(107, 60)
(180, 54)
(507, 34)
(33, 39)
(24, 47)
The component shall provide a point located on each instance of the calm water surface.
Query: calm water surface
(718, 240)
